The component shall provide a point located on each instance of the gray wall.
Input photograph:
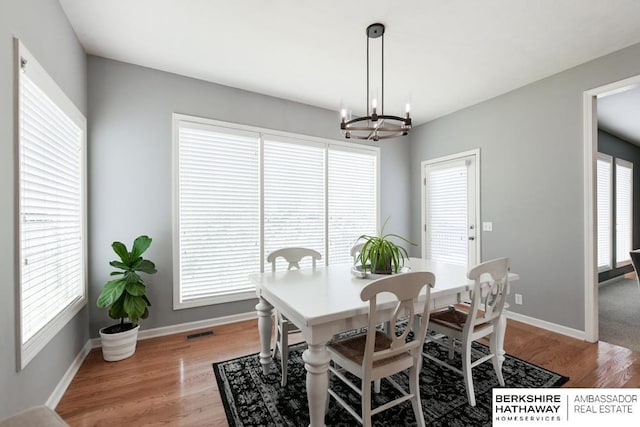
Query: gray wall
(621, 149)
(130, 110)
(43, 28)
(531, 180)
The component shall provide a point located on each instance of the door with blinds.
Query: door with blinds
(451, 209)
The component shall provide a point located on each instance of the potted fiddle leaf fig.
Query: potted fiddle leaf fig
(126, 298)
(382, 255)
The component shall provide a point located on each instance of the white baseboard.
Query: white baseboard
(185, 327)
(66, 379)
(553, 327)
(612, 280)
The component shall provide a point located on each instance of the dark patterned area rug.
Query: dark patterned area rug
(252, 399)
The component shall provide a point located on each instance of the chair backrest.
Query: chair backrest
(489, 292)
(293, 257)
(406, 288)
(355, 252)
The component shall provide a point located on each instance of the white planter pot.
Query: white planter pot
(119, 346)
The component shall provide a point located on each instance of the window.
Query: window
(614, 201)
(353, 203)
(604, 186)
(293, 196)
(218, 213)
(242, 192)
(51, 207)
(624, 208)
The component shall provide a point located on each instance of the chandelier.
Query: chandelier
(376, 125)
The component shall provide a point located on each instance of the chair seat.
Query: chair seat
(352, 348)
(454, 318)
(291, 327)
(449, 317)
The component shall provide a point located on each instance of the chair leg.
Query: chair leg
(284, 352)
(376, 386)
(326, 405)
(452, 345)
(466, 370)
(414, 388)
(366, 403)
(276, 341)
(493, 347)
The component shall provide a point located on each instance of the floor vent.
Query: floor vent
(199, 335)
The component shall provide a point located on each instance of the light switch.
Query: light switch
(487, 226)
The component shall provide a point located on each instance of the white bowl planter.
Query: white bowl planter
(120, 345)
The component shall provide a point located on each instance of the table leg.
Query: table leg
(265, 323)
(316, 362)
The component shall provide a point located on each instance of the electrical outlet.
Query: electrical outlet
(519, 299)
(487, 226)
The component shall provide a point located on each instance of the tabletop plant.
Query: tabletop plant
(126, 296)
(380, 254)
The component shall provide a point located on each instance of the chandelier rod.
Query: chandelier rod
(382, 75)
(368, 101)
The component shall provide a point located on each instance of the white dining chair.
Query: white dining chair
(284, 327)
(375, 355)
(460, 325)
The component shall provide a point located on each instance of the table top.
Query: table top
(310, 297)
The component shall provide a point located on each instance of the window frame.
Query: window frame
(37, 74)
(301, 139)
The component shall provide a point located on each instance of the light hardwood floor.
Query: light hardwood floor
(170, 381)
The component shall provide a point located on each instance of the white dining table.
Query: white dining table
(326, 301)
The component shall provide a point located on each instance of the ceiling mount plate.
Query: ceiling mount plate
(375, 30)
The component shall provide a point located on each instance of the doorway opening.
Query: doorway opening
(606, 247)
(451, 208)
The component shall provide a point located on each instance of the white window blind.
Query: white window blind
(603, 178)
(51, 207)
(294, 211)
(219, 213)
(624, 211)
(242, 192)
(352, 188)
(447, 213)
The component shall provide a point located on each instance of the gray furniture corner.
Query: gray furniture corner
(38, 416)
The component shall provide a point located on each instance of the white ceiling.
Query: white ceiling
(443, 54)
(619, 114)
